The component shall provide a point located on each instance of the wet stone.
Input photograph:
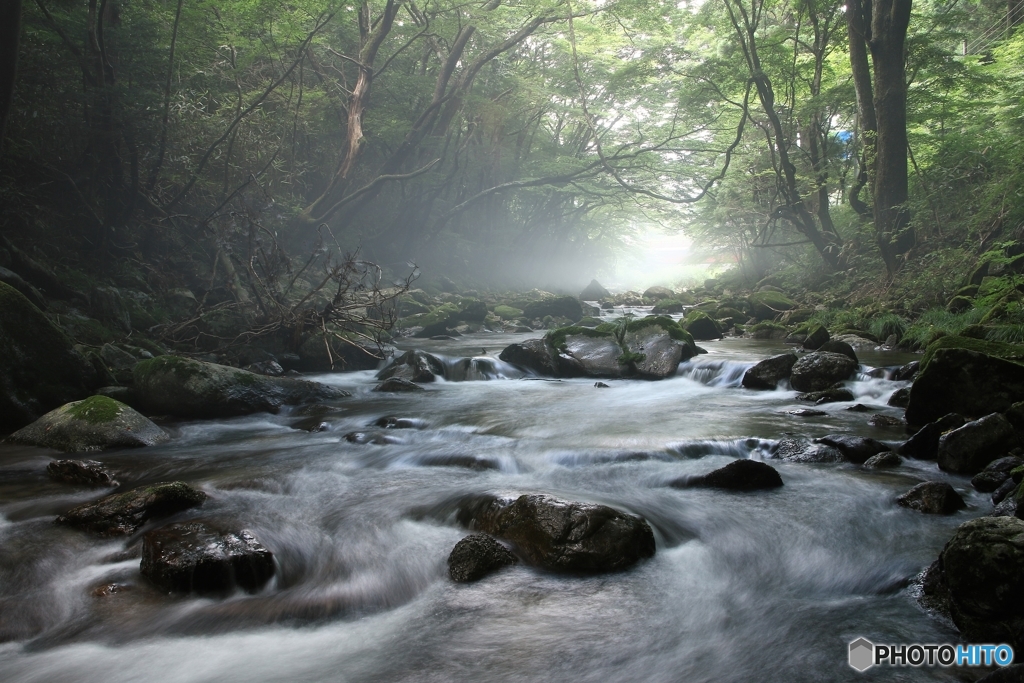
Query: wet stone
(476, 556)
(933, 498)
(122, 514)
(84, 472)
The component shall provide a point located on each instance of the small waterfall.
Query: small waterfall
(715, 373)
(757, 449)
(478, 368)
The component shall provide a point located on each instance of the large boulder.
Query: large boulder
(414, 366)
(701, 326)
(996, 473)
(122, 514)
(968, 449)
(739, 475)
(768, 373)
(839, 346)
(933, 498)
(965, 376)
(797, 450)
(190, 388)
(558, 307)
(661, 353)
(594, 292)
(93, 424)
(819, 370)
(855, 449)
(39, 369)
(979, 572)
(198, 557)
(566, 536)
(767, 305)
(594, 355)
(924, 444)
(533, 355)
(476, 556)
(656, 293)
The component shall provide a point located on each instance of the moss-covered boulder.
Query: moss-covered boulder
(39, 369)
(657, 293)
(702, 326)
(533, 355)
(767, 305)
(590, 353)
(730, 315)
(93, 424)
(186, 387)
(558, 307)
(122, 514)
(667, 306)
(817, 335)
(768, 373)
(767, 330)
(657, 345)
(820, 370)
(508, 312)
(966, 376)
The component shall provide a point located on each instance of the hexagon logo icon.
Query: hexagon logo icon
(862, 654)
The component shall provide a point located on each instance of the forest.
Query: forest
(461, 340)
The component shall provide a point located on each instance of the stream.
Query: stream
(763, 586)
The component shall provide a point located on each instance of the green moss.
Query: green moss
(508, 312)
(768, 330)
(96, 409)
(630, 358)
(668, 306)
(184, 368)
(674, 329)
(556, 338)
(246, 379)
(776, 301)
(589, 321)
(1010, 352)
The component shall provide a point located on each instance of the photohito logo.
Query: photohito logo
(864, 654)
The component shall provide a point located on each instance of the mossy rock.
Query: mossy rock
(39, 368)
(766, 305)
(767, 330)
(970, 291)
(122, 514)
(668, 306)
(686, 298)
(93, 424)
(560, 307)
(556, 338)
(407, 306)
(589, 322)
(1010, 352)
(733, 315)
(959, 304)
(508, 312)
(798, 315)
(702, 326)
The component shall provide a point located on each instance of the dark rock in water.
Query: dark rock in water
(883, 461)
(601, 385)
(834, 394)
(739, 475)
(122, 514)
(478, 555)
(594, 292)
(856, 449)
(933, 498)
(311, 424)
(469, 462)
(900, 398)
(39, 369)
(968, 449)
(593, 356)
(414, 366)
(924, 445)
(995, 473)
(885, 421)
(806, 412)
(840, 347)
(661, 353)
(172, 385)
(817, 336)
(565, 536)
(860, 408)
(657, 293)
(443, 337)
(793, 450)
(315, 410)
(271, 368)
(559, 307)
(85, 472)
(392, 422)
(397, 384)
(93, 424)
(197, 557)
(906, 372)
(1004, 490)
(820, 370)
(769, 372)
(532, 354)
(701, 326)
(1009, 674)
(980, 570)
(966, 382)
(375, 438)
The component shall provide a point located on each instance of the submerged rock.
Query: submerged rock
(739, 475)
(820, 370)
(834, 394)
(197, 557)
(476, 556)
(856, 449)
(185, 387)
(768, 373)
(397, 385)
(93, 424)
(122, 514)
(968, 449)
(806, 412)
(794, 450)
(565, 536)
(933, 498)
(883, 461)
(84, 472)
(414, 366)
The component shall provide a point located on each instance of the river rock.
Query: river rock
(834, 394)
(924, 444)
(656, 293)
(701, 326)
(820, 370)
(533, 355)
(594, 292)
(806, 412)
(414, 366)
(841, 347)
(567, 536)
(394, 385)
(816, 336)
(856, 449)
(185, 387)
(884, 460)
(900, 398)
(767, 305)
(769, 372)
(906, 372)
(594, 356)
(39, 369)
(197, 557)
(968, 449)
(980, 570)
(1004, 490)
(476, 556)
(995, 473)
(558, 307)
(662, 354)
(932, 497)
(83, 472)
(794, 450)
(122, 514)
(855, 342)
(93, 424)
(739, 475)
(956, 380)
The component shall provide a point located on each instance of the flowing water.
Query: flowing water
(766, 586)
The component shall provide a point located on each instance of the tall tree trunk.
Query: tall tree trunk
(10, 32)
(858, 28)
(889, 22)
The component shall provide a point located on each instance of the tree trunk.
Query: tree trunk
(10, 32)
(858, 28)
